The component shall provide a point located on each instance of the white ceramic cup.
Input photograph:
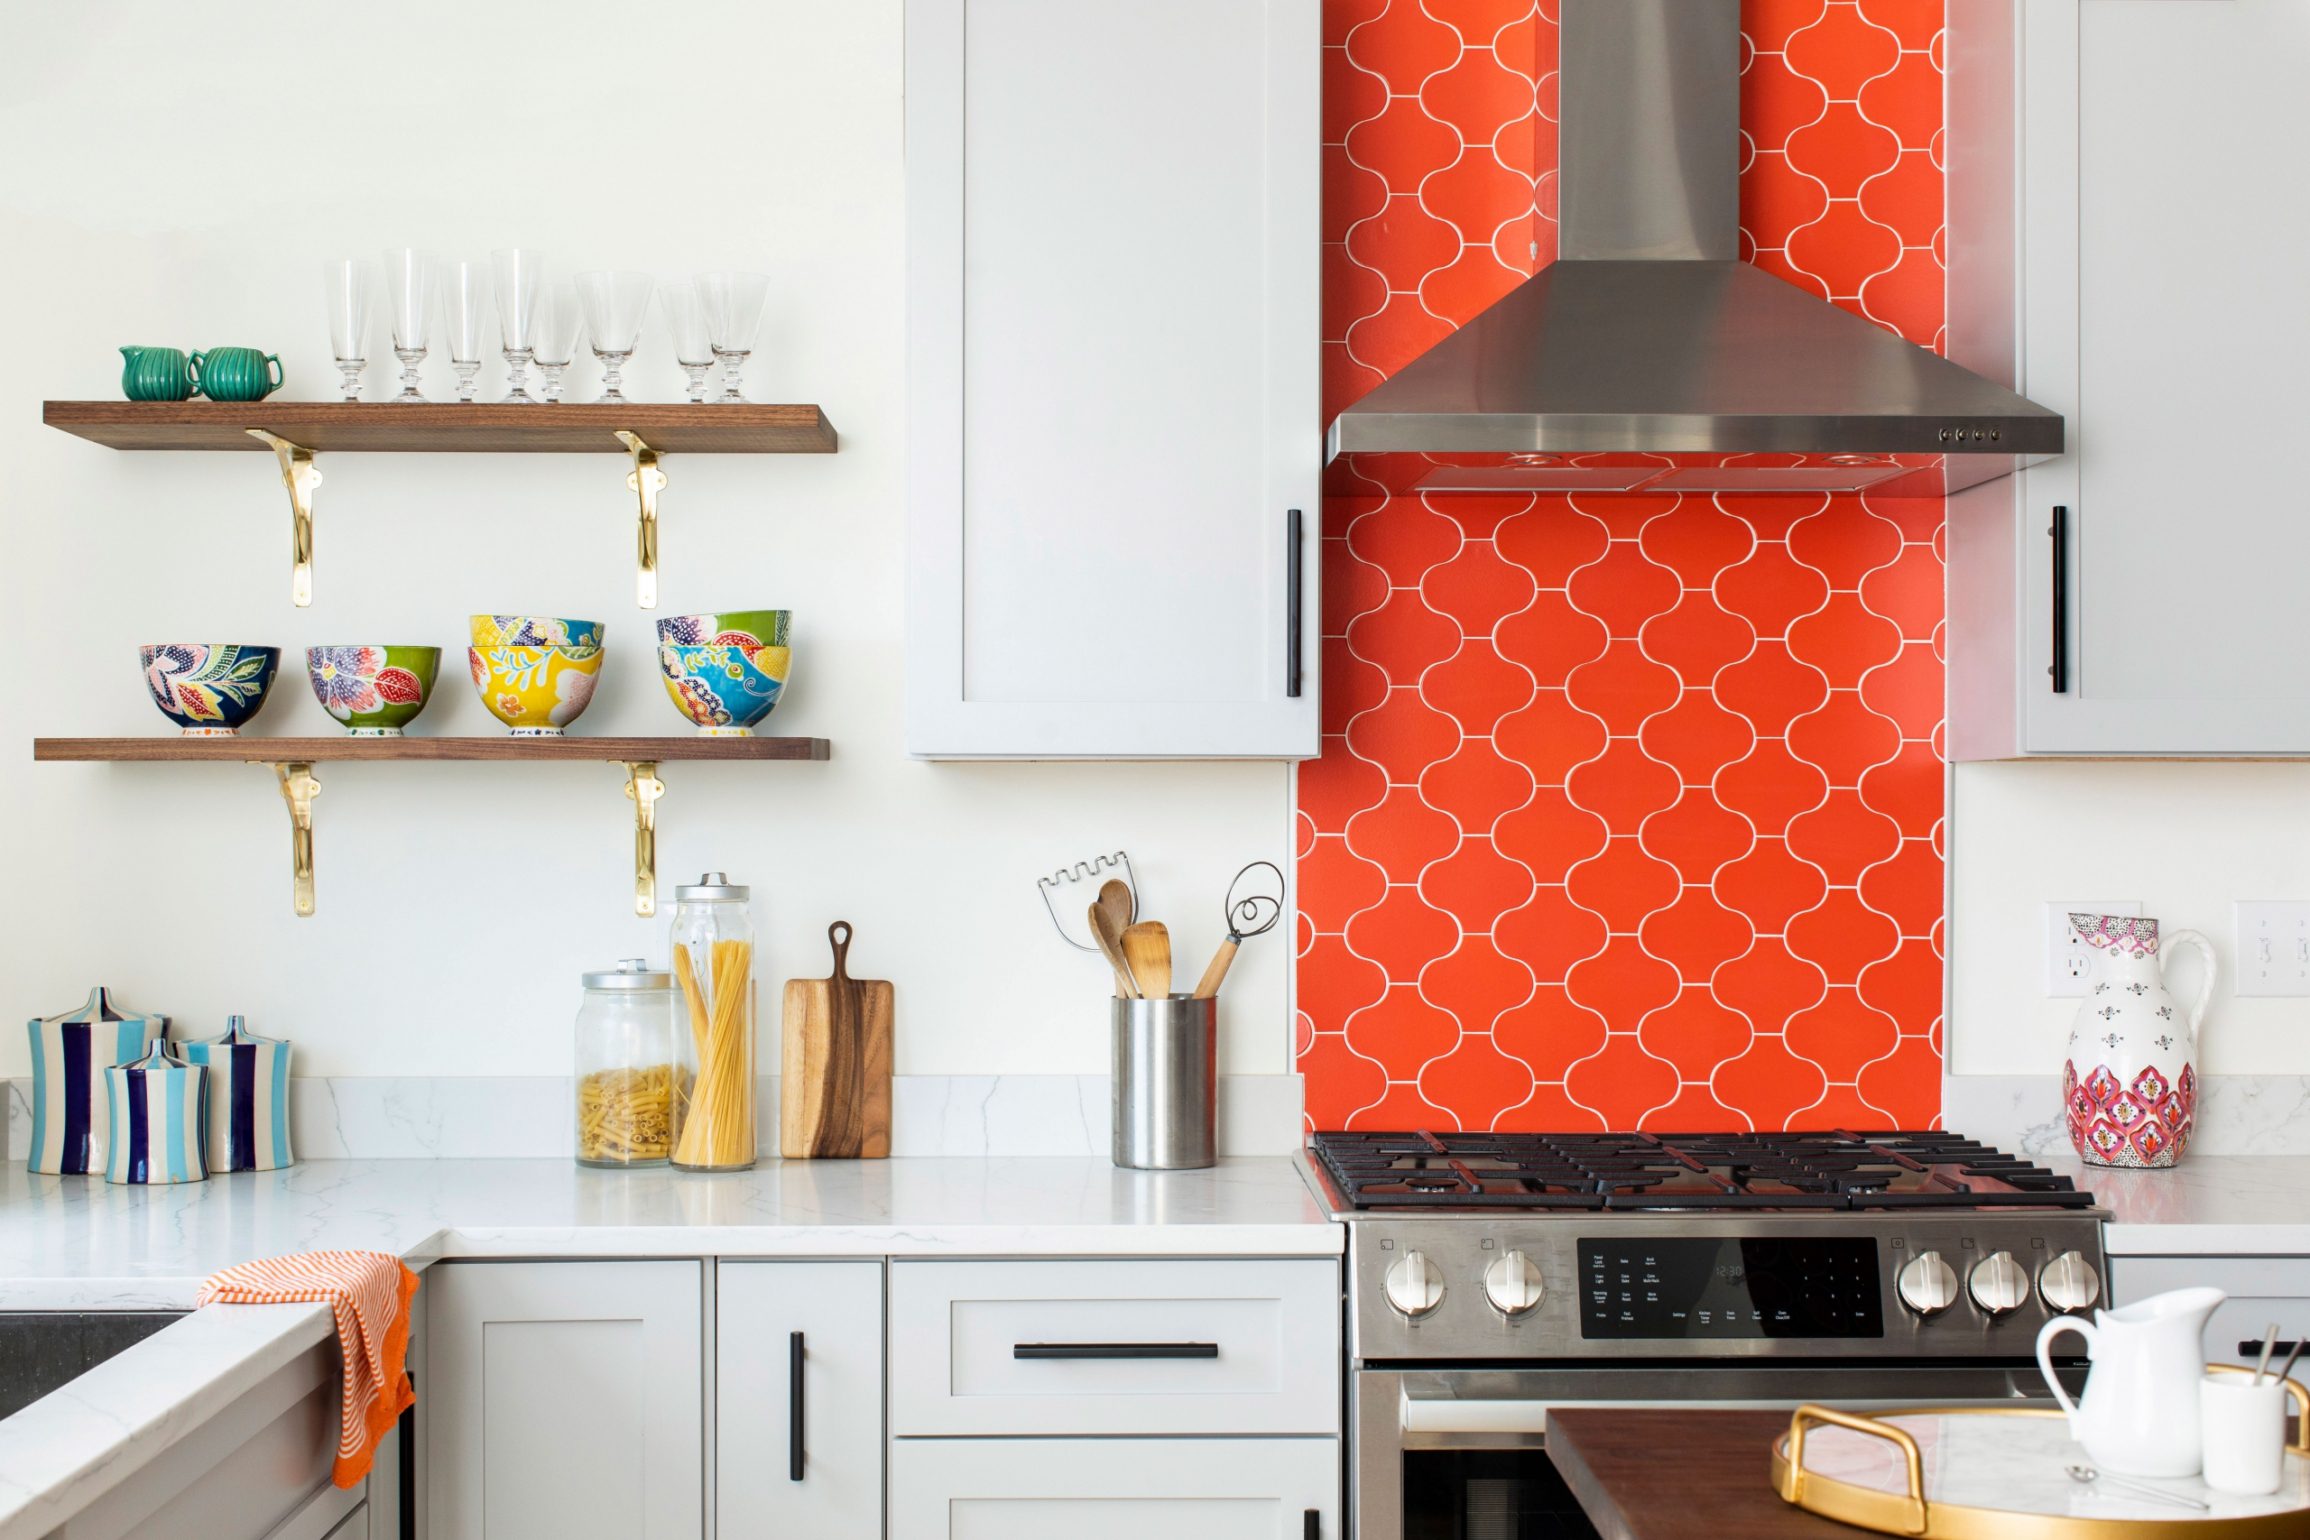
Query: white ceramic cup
(2245, 1433)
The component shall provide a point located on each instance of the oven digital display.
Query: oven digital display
(1688, 1286)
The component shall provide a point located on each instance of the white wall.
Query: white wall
(177, 175)
(2187, 840)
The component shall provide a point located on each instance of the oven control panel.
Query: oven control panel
(1679, 1287)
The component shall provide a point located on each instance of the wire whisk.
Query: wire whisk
(1254, 913)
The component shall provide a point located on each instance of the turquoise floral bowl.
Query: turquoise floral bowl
(208, 688)
(374, 690)
(724, 690)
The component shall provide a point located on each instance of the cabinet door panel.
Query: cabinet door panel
(1115, 1489)
(837, 1308)
(565, 1401)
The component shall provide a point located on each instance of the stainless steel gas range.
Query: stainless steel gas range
(1492, 1277)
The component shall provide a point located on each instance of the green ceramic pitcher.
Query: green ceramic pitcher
(157, 374)
(236, 374)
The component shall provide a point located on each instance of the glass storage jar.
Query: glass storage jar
(632, 1077)
(714, 965)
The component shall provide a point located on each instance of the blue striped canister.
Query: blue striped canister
(248, 1098)
(158, 1121)
(70, 1054)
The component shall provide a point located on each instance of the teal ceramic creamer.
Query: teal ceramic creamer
(236, 374)
(156, 374)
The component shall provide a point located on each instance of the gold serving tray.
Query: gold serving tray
(1915, 1512)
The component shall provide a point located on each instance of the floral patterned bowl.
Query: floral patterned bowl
(534, 631)
(731, 628)
(725, 690)
(208, 688)
(535, 691)
(374, 690)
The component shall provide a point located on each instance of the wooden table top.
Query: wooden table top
(1662, 1474)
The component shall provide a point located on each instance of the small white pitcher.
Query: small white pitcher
(2139, 1413)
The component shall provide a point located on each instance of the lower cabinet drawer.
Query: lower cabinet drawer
(1115, 1347)
(2262, 1290)
(1115, 1489)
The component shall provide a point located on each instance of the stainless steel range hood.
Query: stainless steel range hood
(1648, 357)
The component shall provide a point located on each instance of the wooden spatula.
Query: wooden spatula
(1147, 948)
(1109, 935)
(834, 1072)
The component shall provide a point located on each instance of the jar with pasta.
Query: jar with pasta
(632, 1081)
(714, 968)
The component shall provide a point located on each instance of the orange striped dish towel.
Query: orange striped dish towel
(369, 1292)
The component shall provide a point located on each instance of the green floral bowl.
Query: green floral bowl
(374, 690)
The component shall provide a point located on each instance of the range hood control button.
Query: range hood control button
(1928, 1285)
(2069, 1283)
(1512, 1284)
(1414, 1286)
(1998, 1284)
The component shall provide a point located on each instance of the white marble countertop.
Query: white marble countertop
(2209, 1205)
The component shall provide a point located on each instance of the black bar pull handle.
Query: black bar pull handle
(2251, 1349)
(794, 1406)
(1114, 1350)
(1311, 1527)
(2059, 667)
(1294, 598)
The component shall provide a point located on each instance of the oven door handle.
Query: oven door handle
(1476, 1414)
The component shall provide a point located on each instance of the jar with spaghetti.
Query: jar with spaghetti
(632, 1080)
(714, 968)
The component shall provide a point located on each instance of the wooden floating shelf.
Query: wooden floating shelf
(448, 427)
(252, 750)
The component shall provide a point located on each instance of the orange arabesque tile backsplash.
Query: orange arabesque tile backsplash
(1630, 809)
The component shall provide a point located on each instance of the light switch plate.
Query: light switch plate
(2068, 960)
(2273, 946)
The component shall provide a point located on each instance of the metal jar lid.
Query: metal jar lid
(714, 887)
(631, 973)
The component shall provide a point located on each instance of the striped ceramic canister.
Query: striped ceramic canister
(70, 1054)
(248, 1098)
(158, 1118)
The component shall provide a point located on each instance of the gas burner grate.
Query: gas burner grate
(1840, 1170)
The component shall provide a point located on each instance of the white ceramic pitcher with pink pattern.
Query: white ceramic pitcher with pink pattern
(2130, 1088)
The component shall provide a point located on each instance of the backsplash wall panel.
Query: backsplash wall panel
(1630, 810)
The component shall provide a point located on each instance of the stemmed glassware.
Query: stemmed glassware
(348, 287)
(733, 306)
(554, 334)
(520, 275)
(693, 349)
(464, 296)
(615, 304)
(409, 292)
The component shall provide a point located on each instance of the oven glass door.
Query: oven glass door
(1488, 1494)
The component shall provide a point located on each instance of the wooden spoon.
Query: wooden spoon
(1110, 939)
(1119, 903)
(1216, 974)
(1147, 948)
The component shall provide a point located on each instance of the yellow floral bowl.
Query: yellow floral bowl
(533, 631)
(535, 691)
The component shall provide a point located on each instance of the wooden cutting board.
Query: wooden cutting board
(834, 1077)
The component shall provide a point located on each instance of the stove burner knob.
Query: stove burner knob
(1998, 1284)
(1928, 1285)
(1512, 1284)
(2069, 1284)
(1414, 1286)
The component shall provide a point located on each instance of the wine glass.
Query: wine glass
(464, 296)
(693, 348)
(615, 306)
(409, 294)
(520, 274)
(349, 287)
(733, 305)
(554, 335)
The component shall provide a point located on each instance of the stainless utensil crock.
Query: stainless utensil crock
(1166, 1083)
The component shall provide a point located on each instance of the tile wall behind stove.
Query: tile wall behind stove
(1630, 809)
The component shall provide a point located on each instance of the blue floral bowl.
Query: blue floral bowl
(208, 688)
(724, 690)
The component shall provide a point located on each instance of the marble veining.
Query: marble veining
(2237, 1114)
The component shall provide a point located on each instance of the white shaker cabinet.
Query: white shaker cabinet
(1114, 420)
(1115, 1489)
(2127, 163)
(565, 1401)
(798, 1400)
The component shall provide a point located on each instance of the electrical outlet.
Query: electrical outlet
(2068, 960)
(2273, 947)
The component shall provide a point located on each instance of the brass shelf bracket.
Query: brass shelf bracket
(646, 480)
(644, 789)
(298, 789)
(300, 475)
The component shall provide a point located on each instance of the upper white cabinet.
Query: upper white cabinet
(2158, 242)
(1114, 422)
(798, 1400)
